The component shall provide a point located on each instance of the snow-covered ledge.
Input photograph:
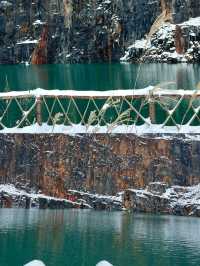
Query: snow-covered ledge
(191, 132)
(150, 90)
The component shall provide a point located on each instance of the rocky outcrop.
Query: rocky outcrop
(157, 197)
(175, 36)
(169, 44)
(99, 202)
(13, 197)
(161, 198)
(80, 31)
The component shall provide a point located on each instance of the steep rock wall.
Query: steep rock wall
(80, 31)
(175, 37)
(184, 9)
(96, 163)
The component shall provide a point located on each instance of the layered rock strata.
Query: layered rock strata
(98, 163)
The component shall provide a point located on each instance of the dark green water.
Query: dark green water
(97, 76)
(83, 238)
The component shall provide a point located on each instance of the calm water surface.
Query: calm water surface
(83, 238)
(97, 76)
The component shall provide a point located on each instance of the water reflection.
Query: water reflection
(97, 76)
(76, 238)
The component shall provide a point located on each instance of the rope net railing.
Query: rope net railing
(167, 108)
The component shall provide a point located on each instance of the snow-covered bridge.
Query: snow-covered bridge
(149, 110)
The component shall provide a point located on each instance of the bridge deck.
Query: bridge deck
(149, 106)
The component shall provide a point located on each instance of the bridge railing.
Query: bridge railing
(150, 106)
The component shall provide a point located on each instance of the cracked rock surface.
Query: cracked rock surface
(81, 31)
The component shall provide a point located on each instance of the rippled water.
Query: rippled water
(83, 238)
(97, 76)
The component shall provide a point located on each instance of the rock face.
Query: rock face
(99, 202)
(13, 197)
(184, 9)
(80, 31)
(169, 44)
(161, 198)
(175, 37)
(101, 163)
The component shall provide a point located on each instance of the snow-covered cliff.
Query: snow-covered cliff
(59, 31)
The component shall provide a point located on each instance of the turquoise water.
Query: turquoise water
(97, 76)
(83, 238)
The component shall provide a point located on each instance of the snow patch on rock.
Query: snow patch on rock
(191, 22)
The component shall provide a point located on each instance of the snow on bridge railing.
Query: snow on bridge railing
(147, 110)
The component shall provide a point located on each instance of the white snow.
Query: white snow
(12, 190)
(99, 94)
(104, 263)
(35, 263)
(173, 55)
(28, 42)
(191, 22)
(189, 132)
(178, 195)
(38, 22)
(73, 93)
(117, 198)
(107, 2)
(105, 107)
(184, 195)
(138, 44)
(5, 4)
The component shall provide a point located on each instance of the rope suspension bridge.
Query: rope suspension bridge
(154, 108)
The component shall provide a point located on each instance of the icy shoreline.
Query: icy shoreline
(12, 197)
(157, 197)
